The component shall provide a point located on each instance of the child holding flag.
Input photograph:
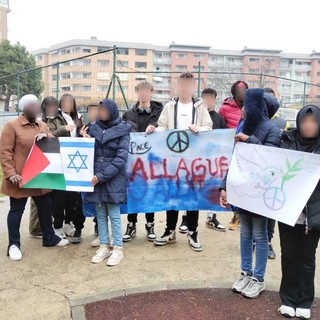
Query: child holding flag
(112, 138)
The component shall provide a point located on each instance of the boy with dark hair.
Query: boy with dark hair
(183, 112)
(144, 113)
(209, 96)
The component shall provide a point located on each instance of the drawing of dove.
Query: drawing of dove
(259, 176)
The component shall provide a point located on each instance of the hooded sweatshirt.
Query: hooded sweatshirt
(293, 140)
(260, 107)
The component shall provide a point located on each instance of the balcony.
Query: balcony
(161, 61)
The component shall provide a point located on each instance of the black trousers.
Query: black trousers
(271, 226)
(67, 206)
(298, 262)
(44, 206)
(192, 219)
(133, 217)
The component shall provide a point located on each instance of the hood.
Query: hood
(308, 109)
(230, 102)
(259, 107)
(112, 107)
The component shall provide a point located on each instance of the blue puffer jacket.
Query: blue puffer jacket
(111, 154)
(259, 108)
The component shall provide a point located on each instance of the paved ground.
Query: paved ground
(48, 281)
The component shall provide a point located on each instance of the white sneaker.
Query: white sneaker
(303, 313)
(116, 256)
(287, 312)
(62, 243)
(95, 243)
(15, 253)
(102, 253)
(253, 289)
(60, 233)
(69, 229)
(194, 242)
(241, 283)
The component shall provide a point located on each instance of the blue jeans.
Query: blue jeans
(111, 211)
(253, 228)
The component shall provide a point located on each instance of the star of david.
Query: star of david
(77, 161)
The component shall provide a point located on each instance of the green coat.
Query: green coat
(57, 126)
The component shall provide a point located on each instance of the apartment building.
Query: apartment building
(4, 10)
(88, 78)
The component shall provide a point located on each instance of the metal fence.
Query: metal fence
(104, 73)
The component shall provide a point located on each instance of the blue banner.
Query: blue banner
(177, 170)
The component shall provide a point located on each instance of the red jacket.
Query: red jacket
(231, 112)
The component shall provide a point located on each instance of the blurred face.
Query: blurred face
(32, 110)
(144, 94)
(185, 88)
(92, 113)
(209, 100)
(309, 127)
(51, 110)
(103, 113)
(240, 93)
(67, 104)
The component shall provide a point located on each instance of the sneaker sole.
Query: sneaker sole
(151, 240)
(196, 249)
(252, 297)
(236, 290)
(96, 262)
(76, 241)
(183, 231)
(113, 265)
(161, 244)
(234, 229)
(129, 239)
(214, 228)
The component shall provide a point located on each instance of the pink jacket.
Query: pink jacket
(231, 113)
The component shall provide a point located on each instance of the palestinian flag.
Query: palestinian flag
(60, 163)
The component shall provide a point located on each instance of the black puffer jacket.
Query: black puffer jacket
(290, 140)
(139, 120)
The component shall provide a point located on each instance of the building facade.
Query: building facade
(4, 10)
(88, 78)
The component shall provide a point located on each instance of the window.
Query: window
(141, 65)
(81, 62)
(102, 49)
(102, 88)
(181, 55)
(76, 49)
(87, 75)
(103, 76)
(196, 68)
(141, 52)
(65, 88)
(86, 87)
(65, 76)
(181, 68)
(123, 51)
(253, 70)
(122, 63)
(123, 76)
(318, 74)
(198, 56)
(103, 63)
(87, 50)
(270, 71)
(254, 59)
(80, 75)
(140, 78)
(270, 60)
(39, 58)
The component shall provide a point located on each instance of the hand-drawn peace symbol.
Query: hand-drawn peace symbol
(274, 198)
(178, 141)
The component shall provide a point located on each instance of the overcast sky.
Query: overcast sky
(292, 26)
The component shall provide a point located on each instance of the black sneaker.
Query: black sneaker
(150, 231)
(183, 226)
(76, 238)
(130, 233)
(271, 253)
(167, 238)
(213, 223)
(194, 241)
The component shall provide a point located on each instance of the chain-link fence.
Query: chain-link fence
(90, 77)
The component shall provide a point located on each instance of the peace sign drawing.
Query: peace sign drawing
(178, 141)
(274, 198)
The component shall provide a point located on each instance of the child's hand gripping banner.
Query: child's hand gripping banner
(177, 170)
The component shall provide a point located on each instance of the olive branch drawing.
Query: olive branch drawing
(291, 171)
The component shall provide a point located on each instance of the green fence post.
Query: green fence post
(199, 78)
(57, 80)
(18, 91)
(260, 80)
(114, 73)
(304, 93)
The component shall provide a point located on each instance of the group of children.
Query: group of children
(250, 111)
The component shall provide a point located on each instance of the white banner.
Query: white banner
(272, 182)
